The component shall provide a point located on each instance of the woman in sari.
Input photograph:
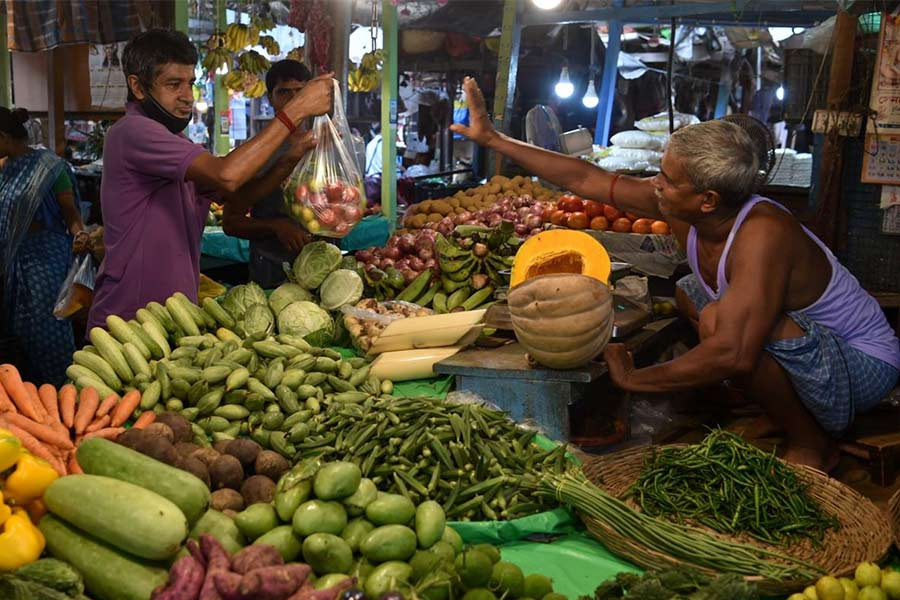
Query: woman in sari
(38, 220)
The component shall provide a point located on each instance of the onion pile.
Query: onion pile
(523, 211)
(410, 253)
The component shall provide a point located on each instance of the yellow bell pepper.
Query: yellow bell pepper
(10, 449)
(21, 542)
(5, 511)
(32, 476)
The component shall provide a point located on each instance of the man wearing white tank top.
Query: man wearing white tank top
(775, 311)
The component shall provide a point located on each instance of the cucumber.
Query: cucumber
(89, 381)
(99, 366)
(124, 334)
(215, 310)
(163, 316)
(122, 514)
(136, 359)
(182, 317)
(108, 574)
(202, 319)
(158, 334)
(98, 456)
(111, 351)
(156, 351)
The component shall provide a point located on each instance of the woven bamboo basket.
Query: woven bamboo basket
(894, 510)
(864, 535)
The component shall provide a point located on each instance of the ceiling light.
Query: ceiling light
(564, 87)
(547, 4)
(779, 93)
(590, 99)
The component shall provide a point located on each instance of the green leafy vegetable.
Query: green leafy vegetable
(287, 293)
(308, 320)
(316, 262)
(258, 320)
(340, 288)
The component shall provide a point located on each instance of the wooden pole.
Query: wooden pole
(389, 94)
(829, 219)
(221, 143)
(5, 79)
(56, 101)
(507, 69)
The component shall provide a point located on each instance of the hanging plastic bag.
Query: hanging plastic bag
(77, 291)
(325, 192)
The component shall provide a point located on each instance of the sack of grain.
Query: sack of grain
(639, 139)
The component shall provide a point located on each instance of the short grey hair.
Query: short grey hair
(718, 156)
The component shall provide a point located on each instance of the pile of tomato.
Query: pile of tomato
(576, 213)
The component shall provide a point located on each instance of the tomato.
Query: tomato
(350, 195)
(660, 228)
(593, 209)
(578, 220)
(570, 203)
(558, 217)
(641, 226)
(599, 223)
(326, 217)
(622, 225)
(352, 213)
(301, 194)
(631, 216)
(334, 191)
(611, 213)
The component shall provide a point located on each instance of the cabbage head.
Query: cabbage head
(285, 294)
(316, 262)
(308, 320)
(240, 297)
(254, 294)
(258, 320)
(341, 287)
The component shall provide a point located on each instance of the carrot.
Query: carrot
(34, 446)
(72, 465)
(50, 400)
(109, 433)
(87, 407)
(45, 433)
(107, 405)
(98, 424)
(145, 419)
(6, 405)
(67, 394)
(43, 417)
(123, 411)
(12, 381)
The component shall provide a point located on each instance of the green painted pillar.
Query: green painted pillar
(507, 69)
(181, 15)
(221, 145)
(389, 94)
(5, 82)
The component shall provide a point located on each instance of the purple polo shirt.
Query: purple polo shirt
(153, 219)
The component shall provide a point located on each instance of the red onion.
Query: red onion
(401, 264)
(409, 275)
(537, 209)
(424, 243)
(535, 231)
(416, 264)
(426, 253)
(510, 216)
(473, 222)
(392, 252)
(387, 262)
(430, 263)
(464, 216)
(364, 256)
(523, 211)
(407, 243)
(532, 221)
(526, 198)
(521, 229)
(494, 220)
(374, 272)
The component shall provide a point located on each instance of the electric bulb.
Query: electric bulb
(590, 99)
(202, 106)
(546, 4)
(779, 93)
(564, 87)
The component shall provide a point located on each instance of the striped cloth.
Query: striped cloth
(34, 25)
(833, 380)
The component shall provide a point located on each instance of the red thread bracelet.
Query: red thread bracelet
(287, 121)
(612, 187)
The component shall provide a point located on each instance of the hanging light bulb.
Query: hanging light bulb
(590, 99)
(779, 93)
(222, 70)
(564, 87)
(546, 4)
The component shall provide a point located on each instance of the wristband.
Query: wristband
(612, 187)
(286, 120)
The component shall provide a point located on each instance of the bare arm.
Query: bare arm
(70, 212)
(745, 317)
(229, 173)
(631, 194)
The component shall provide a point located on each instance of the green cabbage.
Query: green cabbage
(341, 287)
(285, 294)
(308, 320)
(258, 320)
(315, 262)
(240, 297)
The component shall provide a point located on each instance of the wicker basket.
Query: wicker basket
(894, 510)
(864, 535)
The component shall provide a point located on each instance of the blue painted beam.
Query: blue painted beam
(607, 91)
(724, 93)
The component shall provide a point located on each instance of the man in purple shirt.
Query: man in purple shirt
(158, 185)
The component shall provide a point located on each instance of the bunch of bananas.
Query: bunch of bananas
(366, 77)
(216, 57)
(478, 258)
(269, 44)
(296, 54)
(253, 62)
(239, 36)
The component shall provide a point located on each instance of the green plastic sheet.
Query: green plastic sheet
(216, 243)
(371, 231)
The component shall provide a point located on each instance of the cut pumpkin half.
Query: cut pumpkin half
(558, 251)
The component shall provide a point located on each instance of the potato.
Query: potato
(226, 499)
(441, 207)
(455, 202)
(206, 455)
(434, 217)
(258, 488)
(226, 472)
(494, 188)
(271, 464)
(424, 207)
(419, 221)
(244, 450)
(194, 467)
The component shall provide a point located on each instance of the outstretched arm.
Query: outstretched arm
(630, 194)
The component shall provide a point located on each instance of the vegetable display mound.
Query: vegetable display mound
(729, 485)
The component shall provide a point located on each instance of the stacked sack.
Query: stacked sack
(641, 150)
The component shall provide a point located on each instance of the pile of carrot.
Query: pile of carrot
(50, 423)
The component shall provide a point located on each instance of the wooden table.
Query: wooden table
(559, 402)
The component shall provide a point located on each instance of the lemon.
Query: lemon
(829, 588)
(797, 596)
(867, 573)
(810, 593)
(850, 589)
(890, 584)
(871, 592)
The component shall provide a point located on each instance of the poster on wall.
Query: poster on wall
(108, 87)
(881, 163)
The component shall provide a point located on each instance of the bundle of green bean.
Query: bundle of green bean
(732, 487)
(467, 457)
(691, 545)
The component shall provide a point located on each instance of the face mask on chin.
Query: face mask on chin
(155, 111)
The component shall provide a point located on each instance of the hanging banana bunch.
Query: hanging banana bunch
(238, 37)
(269, 45)
(367, 76)
(216, 58)
(234, 80)
(253, 62)
(254, 87)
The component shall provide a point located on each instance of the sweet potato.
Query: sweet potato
(274, 583)
(217, 561)
(228, 585)
(185, 580)
(195, 551)
(255, 557)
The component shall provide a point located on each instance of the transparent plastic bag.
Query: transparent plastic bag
(77, 291)
(366, 320)
(325, 193)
